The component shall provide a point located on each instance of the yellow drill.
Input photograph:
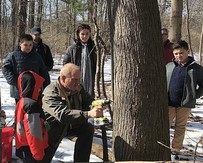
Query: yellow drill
(102, 120)
(100, 102)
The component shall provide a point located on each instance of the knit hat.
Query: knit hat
(36, 30)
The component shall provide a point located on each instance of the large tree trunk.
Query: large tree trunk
(140, 115)
(176, 20)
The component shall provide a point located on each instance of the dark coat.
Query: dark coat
(45, 52)
(73, 55)
(16, 62)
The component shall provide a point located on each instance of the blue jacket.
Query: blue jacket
(193, 85)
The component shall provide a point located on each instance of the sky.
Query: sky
(66, 149)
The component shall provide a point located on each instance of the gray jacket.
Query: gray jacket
(193, 86)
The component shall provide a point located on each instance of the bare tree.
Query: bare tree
(90, 10)
(68, 26)
(140, 116)
(200, 47)
(31, 20)
(5, 27)
(22, 17)
(1, 52)
(0, 111)
(162, 6)
(39, 13)
(57, 16)
(111, 24)
(176, 20)
(14, 11)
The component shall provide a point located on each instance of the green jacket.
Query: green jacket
(64, 110)
(193, 86)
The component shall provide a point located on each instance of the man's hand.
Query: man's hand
(95, 112)
(2, 122)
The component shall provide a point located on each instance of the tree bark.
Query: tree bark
(57, 17)
(200, 47)
(0, 129)
(176, 20)
(111, 21)
(90, 11)
(14, 7)
(1, 54)
(140, 115)
(31, 21)
(39, 13)
(22, 16)
(1, 29)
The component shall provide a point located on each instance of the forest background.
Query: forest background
(130, 32)
(59, 19)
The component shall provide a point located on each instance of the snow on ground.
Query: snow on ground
(65, 151)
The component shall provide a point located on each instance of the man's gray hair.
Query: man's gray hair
(68, 69)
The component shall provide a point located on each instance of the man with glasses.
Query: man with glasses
(168, 51)
(67, 107)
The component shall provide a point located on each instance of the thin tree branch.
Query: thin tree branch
(188, 26)
(183, 153)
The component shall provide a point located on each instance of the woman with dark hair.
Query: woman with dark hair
(83, 54)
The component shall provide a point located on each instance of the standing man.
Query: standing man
(67, 107)
(168, 50)
(42, 48)
(185, 85)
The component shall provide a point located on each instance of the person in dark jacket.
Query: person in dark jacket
(42, 48)
(22, 59)
(31, 134)
(83, 54)
(67, 107)
(185, 85)
(168, 49)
